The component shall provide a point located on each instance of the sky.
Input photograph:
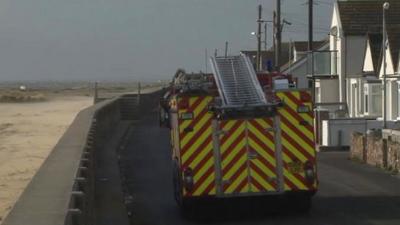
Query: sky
(136, 40)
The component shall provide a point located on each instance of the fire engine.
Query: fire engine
(236, 133)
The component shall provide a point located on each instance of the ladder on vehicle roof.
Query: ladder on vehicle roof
(237, 82)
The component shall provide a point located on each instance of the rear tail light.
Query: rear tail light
(183, 103)
(188, 180)
(305, 97)
(309, 172)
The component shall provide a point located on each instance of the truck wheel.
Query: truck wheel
(160, 117)
(186, 206)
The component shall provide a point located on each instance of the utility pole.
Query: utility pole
(386, 7)
(290, 55)
(310, 25)
(259, 21)
(205, 60)
(278, 36)
(310, 46)
(265, 36)
(274, 38)
(226, 49)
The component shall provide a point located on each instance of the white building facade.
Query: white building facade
(355, 28)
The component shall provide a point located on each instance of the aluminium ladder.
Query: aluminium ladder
(237, 82)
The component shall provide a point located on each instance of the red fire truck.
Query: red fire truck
(235, 133)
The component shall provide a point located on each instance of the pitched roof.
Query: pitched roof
(360, 17)
(375, 43)
(393, 32)
(302, 46)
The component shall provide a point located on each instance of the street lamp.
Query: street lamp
(265, 42)
(386, 7)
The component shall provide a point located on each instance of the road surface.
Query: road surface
(350, 193)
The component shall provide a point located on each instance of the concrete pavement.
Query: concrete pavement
(350, 193)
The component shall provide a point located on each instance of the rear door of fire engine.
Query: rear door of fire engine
(246, 156)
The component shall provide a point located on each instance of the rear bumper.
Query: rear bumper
(285, 194)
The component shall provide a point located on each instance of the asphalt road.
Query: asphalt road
(350, 193)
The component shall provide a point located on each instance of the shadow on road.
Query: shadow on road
(350, 194)
(241, 211)
(326, 210)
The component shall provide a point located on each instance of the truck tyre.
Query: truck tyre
(160, 116)
(185, 206)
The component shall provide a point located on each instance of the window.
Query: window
(318, 94)
(373, 99)
(360, 94)
(366, 99)
(376, 99)
(398, 99)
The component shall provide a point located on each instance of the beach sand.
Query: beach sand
(28, 133)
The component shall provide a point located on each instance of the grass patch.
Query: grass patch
(21, 96)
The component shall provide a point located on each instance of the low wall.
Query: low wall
(63, 185)
(374, 151)
(377, 150)
(357, 147)
(338, 132)
(62, 191)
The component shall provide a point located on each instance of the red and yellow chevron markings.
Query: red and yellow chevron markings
(240, 172)
(197, 146)
(263, 166)
(297, 131)
(233, 151)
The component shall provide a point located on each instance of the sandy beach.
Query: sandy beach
(28, 132)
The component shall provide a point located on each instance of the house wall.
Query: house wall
(355, 54)
(300, 72)
(337, 43)
(349, 64)
(337, 132)
(354, 61)
(391, 88)
(389, 63)
(327, 90)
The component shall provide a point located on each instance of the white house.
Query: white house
(356, 40)
(392, 71)
(352, 21)
(370, 104)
